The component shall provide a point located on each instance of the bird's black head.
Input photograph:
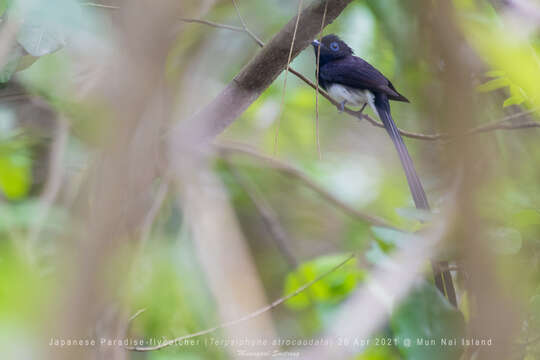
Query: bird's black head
(332, 48)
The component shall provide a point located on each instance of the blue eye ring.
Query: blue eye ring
(334, 46)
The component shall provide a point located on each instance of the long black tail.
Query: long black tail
(443, 278)
(419, 196)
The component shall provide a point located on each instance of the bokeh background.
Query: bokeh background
(96, 225)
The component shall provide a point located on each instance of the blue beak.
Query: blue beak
(316, 43)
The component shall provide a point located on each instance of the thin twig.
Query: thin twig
(317, 89)
(244, 318)
(493, 126)
(496, 125)
(127, 324)
(214, 24)
(389, 282)
(245, 27)
(298, 174)
(282, 103)
(103, 6)
(134, 316)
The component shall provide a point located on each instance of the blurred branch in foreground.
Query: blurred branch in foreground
(222, 250)
(471, 169)
(116, 195)
(390, 281)
(221, 247)
(258, 74)
(244, 318)
(290, 170)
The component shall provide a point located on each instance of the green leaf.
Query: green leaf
(526, 218)
(4, 5)
(514, 100)
(15, 174)
(379, 352)
(331, 289)
(427, 317)
(495, 73)
(493, 85)
(504, 240)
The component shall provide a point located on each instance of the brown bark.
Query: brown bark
(259, 73)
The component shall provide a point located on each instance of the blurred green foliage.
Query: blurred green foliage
(355, 167)
(427, 326)
(331, 289)
(15, 161)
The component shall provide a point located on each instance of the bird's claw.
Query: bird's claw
(362, 109)
(359, 112)
(341, 106)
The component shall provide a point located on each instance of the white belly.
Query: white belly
(352, 96)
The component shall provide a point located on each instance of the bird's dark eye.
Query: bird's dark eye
(334, 46)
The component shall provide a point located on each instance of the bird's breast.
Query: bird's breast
(353, 96)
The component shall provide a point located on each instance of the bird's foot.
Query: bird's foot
(359, 112)
(341, 106)
(362, 109)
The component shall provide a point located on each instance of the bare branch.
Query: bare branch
(298, 174)
(214, 24)
(501, 124)
(245, 27)
(256, 76)
(244, 318)
(497, 125)
(137, 313)
(103, 6)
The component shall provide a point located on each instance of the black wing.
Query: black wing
(355, 72)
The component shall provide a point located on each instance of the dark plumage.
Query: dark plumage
(350, 79)
(341, 66)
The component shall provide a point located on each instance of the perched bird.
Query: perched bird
(351, 80)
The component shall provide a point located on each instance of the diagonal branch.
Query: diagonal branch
(245, 27)
(502, 124)
(298, 174)
(214, 24)
(255, 77)
(254, 314)
(103, 6)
